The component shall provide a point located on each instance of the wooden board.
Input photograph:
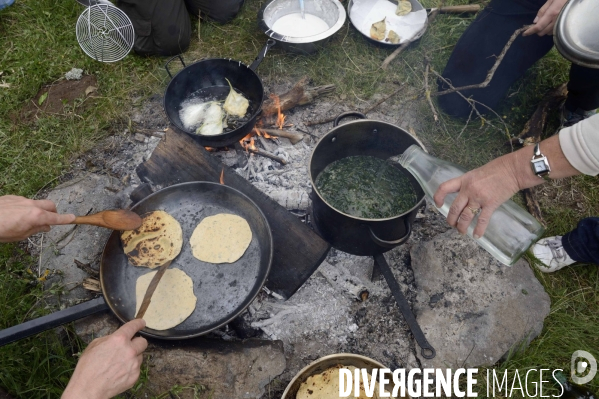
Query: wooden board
(298, 251)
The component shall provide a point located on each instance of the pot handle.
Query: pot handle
(262, 54)
(169, 61)
(391, 244)
(52, 320)
(344, 115)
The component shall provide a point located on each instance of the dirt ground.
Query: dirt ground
(57, 96)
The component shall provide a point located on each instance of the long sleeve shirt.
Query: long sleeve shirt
(580, 145)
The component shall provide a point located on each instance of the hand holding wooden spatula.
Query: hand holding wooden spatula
(117, 219)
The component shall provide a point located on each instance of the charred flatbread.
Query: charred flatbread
(221, 238)
(158, 240)
(172, 302)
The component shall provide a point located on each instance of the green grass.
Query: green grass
(39, 46)
(37, 367)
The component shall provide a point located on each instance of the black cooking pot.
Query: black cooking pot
(359, 236)
(208, 78)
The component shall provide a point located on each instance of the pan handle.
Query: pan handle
(391, 244)
(169, 61)
(426, 349)
(262, 54)
(50, 321)
(344, 115)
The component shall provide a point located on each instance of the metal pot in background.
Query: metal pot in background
(322, 364)
(359, 236)
(331, 11)
(576, 33)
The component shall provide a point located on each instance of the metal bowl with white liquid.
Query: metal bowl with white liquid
(282, 21)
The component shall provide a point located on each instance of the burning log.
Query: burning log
(267, 154)
(251, 147)
(294, 137)
(300, 94)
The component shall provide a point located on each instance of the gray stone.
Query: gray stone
(63, 244)
(238, 370)
(473, 309)
(74, 74)
(96, 326)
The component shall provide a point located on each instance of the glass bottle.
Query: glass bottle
(511, 230)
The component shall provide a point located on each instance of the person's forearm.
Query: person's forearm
(519, 163)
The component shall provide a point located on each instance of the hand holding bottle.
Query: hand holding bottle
(479, 190)
(487, 187)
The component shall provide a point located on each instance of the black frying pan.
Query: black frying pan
(223, 291)
(206, 79)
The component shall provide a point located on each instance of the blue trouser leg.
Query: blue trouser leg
(582, 243)
(477, 49)
(5, 3)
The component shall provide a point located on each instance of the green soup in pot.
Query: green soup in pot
(366, 187)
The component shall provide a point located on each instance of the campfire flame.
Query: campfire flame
(243, 141)
(211, 149)
(264, 134)
(280, 116)
(222, 176)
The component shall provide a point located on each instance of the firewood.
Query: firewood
(300, 94)
(86, 267)
(91, 284)
(294, 137)
(535, 126)
(267, 154)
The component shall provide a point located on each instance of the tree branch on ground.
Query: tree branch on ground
(427, 92)
(491, 72)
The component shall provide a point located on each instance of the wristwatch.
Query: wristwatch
(540, 164)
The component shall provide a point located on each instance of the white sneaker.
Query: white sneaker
(552, 254)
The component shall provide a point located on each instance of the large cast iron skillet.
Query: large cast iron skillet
(223, 291)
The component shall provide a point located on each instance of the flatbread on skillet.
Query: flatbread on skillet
(158, 240)
(172, 302)
(221, 238)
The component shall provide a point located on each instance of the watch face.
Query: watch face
(540, 166)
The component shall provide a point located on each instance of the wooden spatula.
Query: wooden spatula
(117, 219)
(151, 288)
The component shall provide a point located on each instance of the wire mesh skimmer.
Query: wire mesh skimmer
(105, 33)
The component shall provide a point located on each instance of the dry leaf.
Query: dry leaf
(5, 85)
(393, 37)
(377, 30)
(90, 90)
(404, 7)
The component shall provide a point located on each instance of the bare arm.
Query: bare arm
(492, 184)
(21, 217)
